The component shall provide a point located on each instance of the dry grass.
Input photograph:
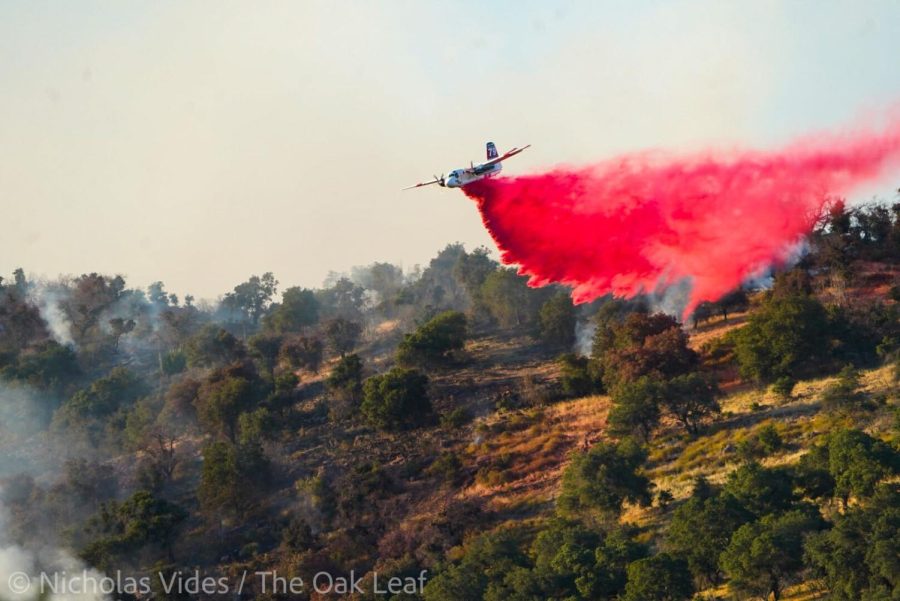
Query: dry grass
(521, 455)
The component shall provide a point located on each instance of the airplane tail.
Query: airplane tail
(491, 151)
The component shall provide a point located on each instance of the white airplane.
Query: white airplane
(460, 177)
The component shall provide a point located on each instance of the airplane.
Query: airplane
(460, 177)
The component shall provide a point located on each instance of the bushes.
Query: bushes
(508, 298)
(857, 558)
(557, 321)
(661, 577)
(604, 478)
(344, 383)
(456, 419)
(636, 408)
(784, 387)
(701, 529)
(434, 342)
(765, 441)
(763, 556)
(689, 398)
(579, 376)
(843, 394)
(232, 476)
(788, 336)
(397, 399)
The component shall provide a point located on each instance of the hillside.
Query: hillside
(440, 422)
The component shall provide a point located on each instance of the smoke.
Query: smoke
(17, 562)
(23, 417)
(48, 299)
(584, 336)
(647, 223)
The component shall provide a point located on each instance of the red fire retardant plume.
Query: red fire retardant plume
(640, 223)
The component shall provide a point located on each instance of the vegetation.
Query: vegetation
(397, 399)
(434, 342)
(752, 452)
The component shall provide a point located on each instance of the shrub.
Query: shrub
(397, 399)
(662, 577)
(557, 321)
(764, 555)
(456, 419)
(447, 467)
(843, 394)
(344, 383)
(784, 387)
(434, 342)
(690, 398)
(604, 478)
(578, 377)
(636, 407)
(788, 336)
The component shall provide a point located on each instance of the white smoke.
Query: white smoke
(584, 336)
(21, 569)
(22, 420)
(48, 300)
(672, 299)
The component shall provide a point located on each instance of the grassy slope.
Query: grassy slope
(513, 460)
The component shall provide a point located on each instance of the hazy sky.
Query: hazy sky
(200, 142)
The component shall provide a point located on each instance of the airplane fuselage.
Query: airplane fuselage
(460, 177)
(463, 177)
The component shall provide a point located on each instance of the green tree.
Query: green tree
(642, 344)
(249, 300)
(761, 490)
(573, 561)
(213, 346)
(344, 299)
(397, 399)
(812, 476)
(858, 463)
(509, 299)
(557, 321)
(787, 336)
(344, 383)
(764, 556)
(487, 561)
(690, 398)
(434, 342)
(578, 375)
(384, 279)
(220, 403)
(603, 478)
(342, 335)
(843, 394)
(471, 270)
(265, 349)
(857, 558)
(661, 577)
(303, 352)
(636, 407)
(232, 476)
(121, 529)
(86, 415)
(700, 531)
(47, 366)
(299, 308)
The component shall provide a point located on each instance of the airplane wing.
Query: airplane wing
(508, 154)
(434, 181)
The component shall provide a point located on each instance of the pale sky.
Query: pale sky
(198, 143)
